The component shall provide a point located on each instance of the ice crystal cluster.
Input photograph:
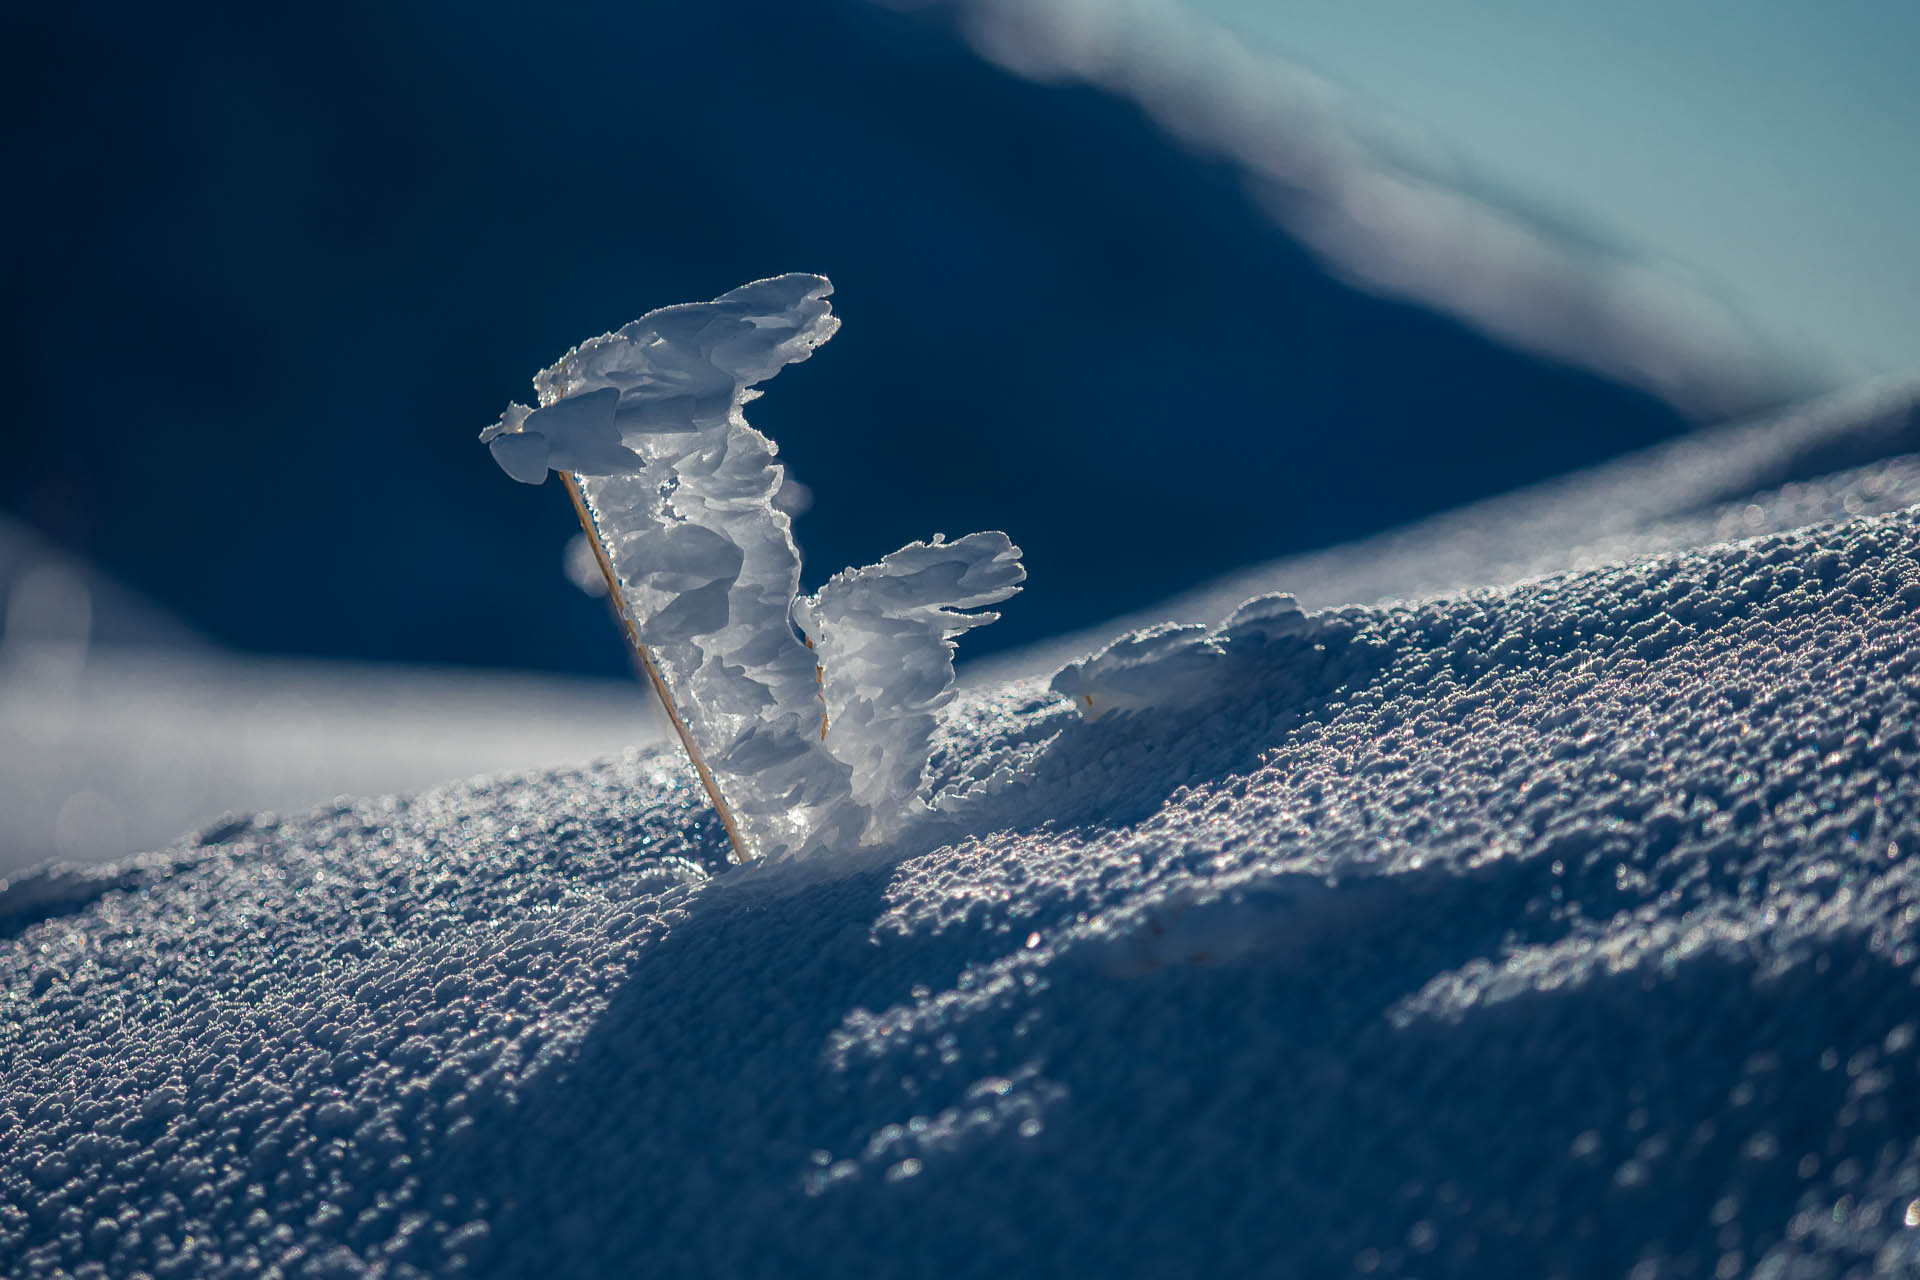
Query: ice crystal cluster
(813, 741)
(1174, 665)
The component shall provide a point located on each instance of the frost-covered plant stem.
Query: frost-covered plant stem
(650, 670)
(808, 720)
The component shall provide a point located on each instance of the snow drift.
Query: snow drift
(1565, 927)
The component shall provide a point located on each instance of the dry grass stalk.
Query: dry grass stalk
(652, 672)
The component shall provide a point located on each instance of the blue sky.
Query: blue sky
(1771, 148)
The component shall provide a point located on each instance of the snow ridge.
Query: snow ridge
(1582, 912)
(1171, 666)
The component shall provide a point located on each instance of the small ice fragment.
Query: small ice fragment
(1174, 665)
(576, 434)
(583, 566)
(522, 455)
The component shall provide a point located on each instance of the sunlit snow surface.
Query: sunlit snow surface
(1567, 927)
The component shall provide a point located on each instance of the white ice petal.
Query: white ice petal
(522, 455)
(581, 435)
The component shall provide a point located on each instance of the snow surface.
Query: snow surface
(1564, 928)
(120, 727)
(133, 746)
(1842, 456)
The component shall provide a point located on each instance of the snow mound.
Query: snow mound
(1169, 666)
(1562, 929)
(1846, 455)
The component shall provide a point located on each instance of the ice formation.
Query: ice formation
(883, 635)
(1172, 666)
(812, 741)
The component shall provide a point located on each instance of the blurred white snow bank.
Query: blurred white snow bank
(120, 727)
(130, 747)
(1390, 212)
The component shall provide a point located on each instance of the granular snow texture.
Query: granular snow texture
(1851, 454)
(1562, 929)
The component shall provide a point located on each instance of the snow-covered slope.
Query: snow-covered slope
(1564, 928)
(1845, 455)
(122, 749)
(120, 727)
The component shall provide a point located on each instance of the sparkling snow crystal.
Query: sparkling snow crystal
(811, 742)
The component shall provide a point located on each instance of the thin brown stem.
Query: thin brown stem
(650, 670)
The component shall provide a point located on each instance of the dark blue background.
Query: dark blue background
(276, 266)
